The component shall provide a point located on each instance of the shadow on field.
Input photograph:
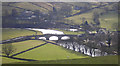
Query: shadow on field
(19, 58)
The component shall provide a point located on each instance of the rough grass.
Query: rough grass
(21, 46)
(8, 33)
(29, 6)
(108, 20)
(75, 11)
(95, 60)
(24, 45)
(9, 10)
(78, 18)
(9, 60)
(45, 5)
(88, 16)
(50, 52)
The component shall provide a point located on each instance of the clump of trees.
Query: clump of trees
(8, 49)
(96, 18)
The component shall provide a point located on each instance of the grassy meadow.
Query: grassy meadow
(109, 20)
(24, 45)
(23, 5)
(95, 60)
(50, 52)
(78, 18)
(9, 60)
(8, 33)
(21, 46)
(29, 6)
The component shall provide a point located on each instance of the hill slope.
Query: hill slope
(78, 12)
(96, 60)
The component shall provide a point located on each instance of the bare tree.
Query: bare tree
(8, 49)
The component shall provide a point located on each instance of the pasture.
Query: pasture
(41, 53)
(9, 60)
(51, 52)
(109, 21)
(8, 33)
(95, 60)
(24, 45)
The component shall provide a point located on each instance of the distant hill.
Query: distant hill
(77, 12)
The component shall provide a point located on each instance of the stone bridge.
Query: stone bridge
(54, 37)
(38, 37)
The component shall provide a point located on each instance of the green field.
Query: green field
(9, 10)
(24, 45)
(24, 5)
(8, 33)
(51, 52)
(78, 18)
(9, 60)
(109, 20)
(21, 46)
(30, 6)
(95, 60)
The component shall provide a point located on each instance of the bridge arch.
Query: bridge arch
(44, 38)
(53, 38)
(65, 38)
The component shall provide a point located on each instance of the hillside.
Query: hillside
(68, 13)
(90, 28)
(43, 7)
(96, 60)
